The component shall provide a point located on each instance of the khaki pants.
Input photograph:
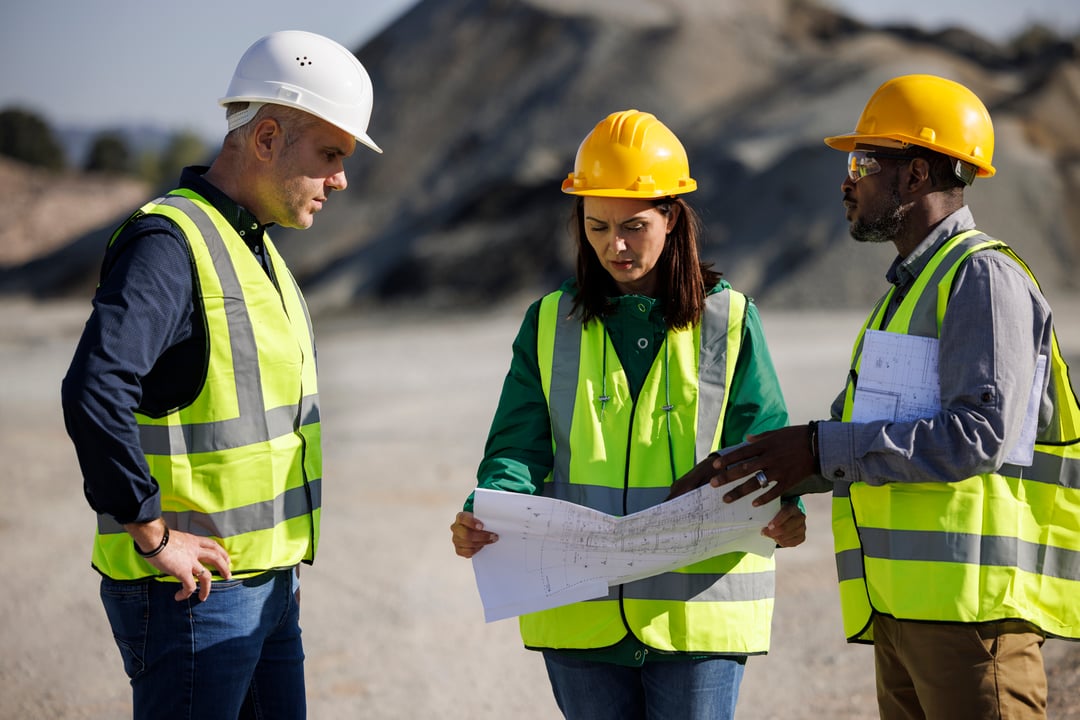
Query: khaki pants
(955, 671)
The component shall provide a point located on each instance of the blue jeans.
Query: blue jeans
(661, 690)
(237, 655)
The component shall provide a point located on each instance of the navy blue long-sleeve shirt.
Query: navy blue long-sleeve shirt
(143, 348)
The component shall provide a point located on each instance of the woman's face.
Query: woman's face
(628, 236)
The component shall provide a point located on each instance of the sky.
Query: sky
(97, 64)
(127, 62)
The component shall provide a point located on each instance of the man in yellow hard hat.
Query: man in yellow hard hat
(192, 400)
(954, 518)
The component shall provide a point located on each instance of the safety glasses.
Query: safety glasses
(861, 163)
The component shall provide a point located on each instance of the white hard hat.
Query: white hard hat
(308, 72)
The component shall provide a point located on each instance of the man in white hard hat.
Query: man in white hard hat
(192, 399)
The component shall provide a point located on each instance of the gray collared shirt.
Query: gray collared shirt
(996, 325)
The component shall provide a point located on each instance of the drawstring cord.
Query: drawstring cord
(604, 397)
(667, 407)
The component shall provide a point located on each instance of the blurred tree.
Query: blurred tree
(148, 167)
(163, 168)
(185, 148)
(109, 153)
(1037, 42)
(25, 136)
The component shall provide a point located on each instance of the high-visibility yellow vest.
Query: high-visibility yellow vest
(620, 456)
(1002, 545)
(243, 462)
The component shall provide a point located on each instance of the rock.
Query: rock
(481, 104)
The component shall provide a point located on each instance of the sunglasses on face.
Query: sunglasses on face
(861, 163)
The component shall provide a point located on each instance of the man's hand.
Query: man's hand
(784, 457)
(701, 474)
(185, 557)
(468, 535)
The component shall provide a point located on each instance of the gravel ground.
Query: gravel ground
(392, 621)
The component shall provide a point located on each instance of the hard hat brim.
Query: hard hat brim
(604, 192)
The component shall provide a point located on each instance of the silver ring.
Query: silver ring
(762, 480)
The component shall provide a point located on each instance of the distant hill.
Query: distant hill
(42, 215)
(480, 106)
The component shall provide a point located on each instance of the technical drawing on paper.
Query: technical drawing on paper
(898, 378)
(552, 552)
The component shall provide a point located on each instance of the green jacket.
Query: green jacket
(518, 454)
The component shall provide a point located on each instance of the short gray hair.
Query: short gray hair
(294, 122)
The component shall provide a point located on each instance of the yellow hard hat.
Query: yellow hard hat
(630, 154)
(930, 112)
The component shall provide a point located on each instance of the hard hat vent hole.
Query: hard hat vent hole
(304, 61)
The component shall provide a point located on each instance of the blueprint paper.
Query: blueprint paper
(898, 380)
(1023, 453)
(552, 552)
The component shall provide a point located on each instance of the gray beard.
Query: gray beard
(884, 228)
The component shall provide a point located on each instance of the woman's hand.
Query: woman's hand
(469, 535)
(788, 527)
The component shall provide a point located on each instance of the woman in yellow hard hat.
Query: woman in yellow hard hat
(621, 381)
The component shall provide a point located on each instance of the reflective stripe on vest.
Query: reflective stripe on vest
(620, 456)
(996, 546)
(242, 463)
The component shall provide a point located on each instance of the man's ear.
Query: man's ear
(268, 138)
(919, 175)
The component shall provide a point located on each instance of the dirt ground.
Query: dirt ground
(392, 621)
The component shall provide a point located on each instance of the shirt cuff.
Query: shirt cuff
(835, 443)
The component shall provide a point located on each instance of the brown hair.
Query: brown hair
(682, 279)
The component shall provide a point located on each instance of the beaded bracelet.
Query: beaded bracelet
(155, 551)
